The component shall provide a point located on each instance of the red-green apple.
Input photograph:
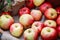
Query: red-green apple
(26, 20)
(38, 2)
(30, 34)
(50, 13)
(58, 10)
(45, 6)
(48, 33)
(58, 30)
(24, 10)
(50, 23)
(16, 29)
(36, 14)
(37, 25)
(6, 21)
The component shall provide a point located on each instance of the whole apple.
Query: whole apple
(30, 34)
(48, 33)
(37, 26)
(36, 14)
(26, 20)
(38, 2)
(50, 23)
(58, 10)
(58, 20)
(24, 10)
(16, 29)
(50, 14)
(45, 6)
(6, 21)
(29, 4)
(58, 30)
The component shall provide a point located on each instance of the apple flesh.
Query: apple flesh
(48, 33)
(50, 14)
(58, 30)
(16, 29)
(58, 10)
(50, 23)
(45, 6)
(6, 21)
(38, 2)
(36, 14)
(24, 10)
(26, 20)
(30, 34)
(37, 26)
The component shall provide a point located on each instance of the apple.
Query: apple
(6, 21)
(50, 14)
(58, 30)
(36, 14)
(45, 6)
(58, 20)
(58, 10)
(29, 4)
(26, 20)
(30, 34)
(38, 2)
(50, 23)
(24, 10)
(48, 33)
(5, 13)
(16, 29)
(37, 26)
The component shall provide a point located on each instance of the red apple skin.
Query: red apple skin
(5, 13)
(58, 30)
(24, 10)
(34, 36)
(58, 10)
(29, 4)
(58, 20)
(45, 6)
(37, 26)
(49, 36)
(50, 14)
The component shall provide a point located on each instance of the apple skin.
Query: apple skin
(6, 21)
(30, 34)
(45, 6)
(50, 14)
(24, 10)
(58, 20)
(38, 2)
(58, 10)
(16, 29)
(5, 13)
(50, 23)
(37, 26)
(26, 20)
(29, 4)
(58, 30)
(48, 33)
(36, 14)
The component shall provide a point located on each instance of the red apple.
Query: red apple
(50, 13)
(30, 34)
(5, 13)
(29, 3)
(24, 10)
(26, 20)
(6, 21)
(58, 30)
(50, 23)
(58, 20)
(58, 10)
(16, 29)
(36, 14)
(45, 6)
(48, 33)
(37, 26)
(38, 2)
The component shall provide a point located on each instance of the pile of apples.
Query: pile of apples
(29, 21)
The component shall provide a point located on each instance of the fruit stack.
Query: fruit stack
(30, 24)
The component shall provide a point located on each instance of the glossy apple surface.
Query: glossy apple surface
(58, 10)
(58, 30)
